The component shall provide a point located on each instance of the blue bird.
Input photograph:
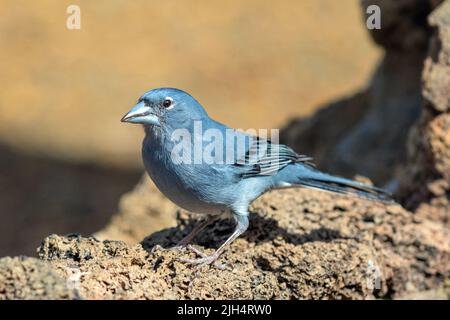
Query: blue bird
(179, 156)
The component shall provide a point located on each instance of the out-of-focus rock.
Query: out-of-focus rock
(77, 84)
(300, 244)
(62, 145)
(438, 294)
(32, 279)
(142, 211)
(403, 23)
(39, 196)
(366, 134)
(425, 181)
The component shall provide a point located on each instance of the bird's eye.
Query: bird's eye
(167, 102)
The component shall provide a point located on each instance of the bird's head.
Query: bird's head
(167, 107)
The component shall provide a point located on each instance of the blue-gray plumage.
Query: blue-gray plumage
(219, 187)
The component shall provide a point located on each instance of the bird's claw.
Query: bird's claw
(204, 260)
(175, 248)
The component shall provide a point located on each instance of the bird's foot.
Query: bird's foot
(204, 260)
(174, 248)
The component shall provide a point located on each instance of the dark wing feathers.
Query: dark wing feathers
(266, 158)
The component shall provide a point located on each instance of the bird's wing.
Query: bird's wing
(264, 158)
(255, 156)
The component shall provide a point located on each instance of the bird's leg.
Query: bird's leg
(242, 225)
(197, 229)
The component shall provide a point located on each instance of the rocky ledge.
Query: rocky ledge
(301, 244)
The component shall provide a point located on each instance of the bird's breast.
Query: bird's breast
(193, 187)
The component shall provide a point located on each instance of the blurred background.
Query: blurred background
(65, 157)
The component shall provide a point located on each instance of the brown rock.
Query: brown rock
(260, 57)
(300, 244)
(425, 181)
(40, 196)
(142, 211)
(403, 23)
(367, 132)
(397, 131)
(30, 278)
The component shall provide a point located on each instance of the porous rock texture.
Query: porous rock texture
(366, 133)
(425, 181)
(31, 278)
(300, 244)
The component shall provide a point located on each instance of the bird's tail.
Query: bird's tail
(315, 179)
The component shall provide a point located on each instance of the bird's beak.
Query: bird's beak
(141, 113)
